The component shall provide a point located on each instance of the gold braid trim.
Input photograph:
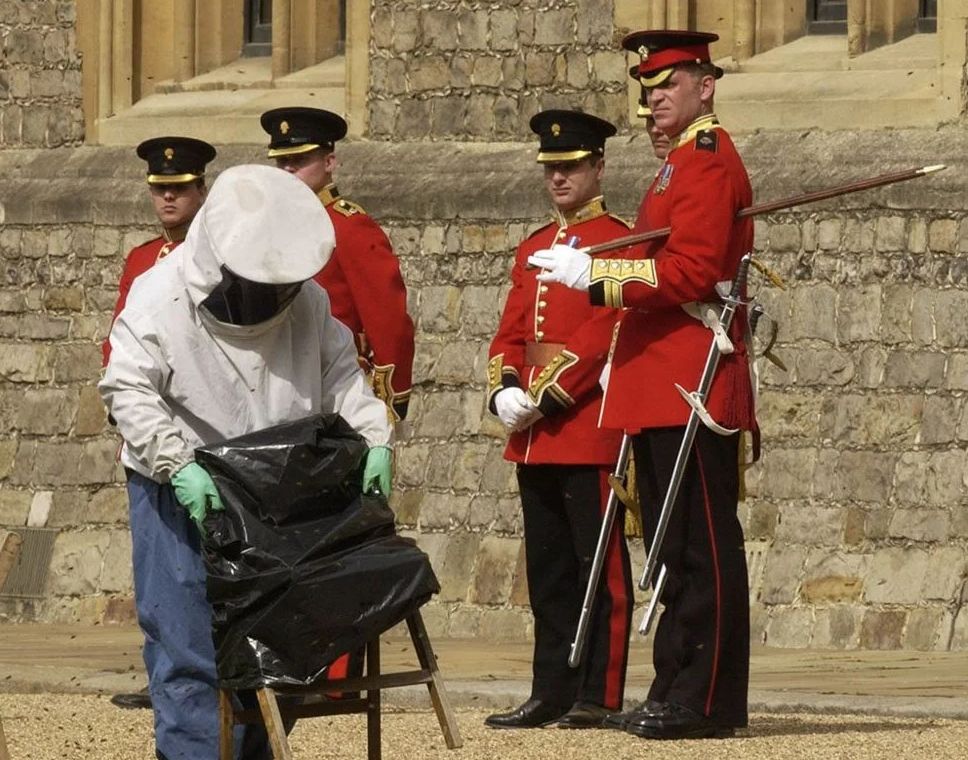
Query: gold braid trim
(547, 380)
(613, 274)
(494, 374)
(497, 370)
(381, 377)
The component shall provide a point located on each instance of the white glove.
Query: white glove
(515, 409)
(569, 266)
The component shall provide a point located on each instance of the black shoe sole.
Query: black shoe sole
(616, 723)
(681, 732)
(580, 726)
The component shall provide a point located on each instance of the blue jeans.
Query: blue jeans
(176, 618)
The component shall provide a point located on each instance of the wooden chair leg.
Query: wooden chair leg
(438, 693)
(374, 747)
(274, 725)
(226, 725)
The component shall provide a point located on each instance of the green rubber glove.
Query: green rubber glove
(378, 471)
(196, 492)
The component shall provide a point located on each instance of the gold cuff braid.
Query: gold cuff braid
(613, 274)
(547, 380)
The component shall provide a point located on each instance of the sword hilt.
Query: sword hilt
(742, 275)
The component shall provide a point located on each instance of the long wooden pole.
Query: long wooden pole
(765, 208)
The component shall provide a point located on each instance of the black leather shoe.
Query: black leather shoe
(583, 715)
(678, 722)
(136, 701)
(619, 720)
(532, 714)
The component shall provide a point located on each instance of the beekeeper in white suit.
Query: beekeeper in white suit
(225, 336)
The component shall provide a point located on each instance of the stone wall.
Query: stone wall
(40, 81)
(479, 71)
(856, 516)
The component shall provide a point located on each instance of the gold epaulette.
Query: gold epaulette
(348, 208)
(541, 229)
(620, 219)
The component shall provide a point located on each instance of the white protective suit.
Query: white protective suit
(178, 378)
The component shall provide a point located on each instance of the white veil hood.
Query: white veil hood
(263, 224)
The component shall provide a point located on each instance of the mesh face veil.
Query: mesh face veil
(238, 301)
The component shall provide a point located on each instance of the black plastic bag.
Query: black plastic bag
(301, 566)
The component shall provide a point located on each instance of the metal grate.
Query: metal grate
(28, 576)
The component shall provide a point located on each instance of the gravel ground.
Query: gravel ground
(44, 727)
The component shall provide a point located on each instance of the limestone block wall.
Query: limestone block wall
(479, 71)
(40, 79)
(856, 517)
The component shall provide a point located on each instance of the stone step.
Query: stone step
(256, 74)
(218, 116)
(740, 115)
(830, 99)
(829, 53)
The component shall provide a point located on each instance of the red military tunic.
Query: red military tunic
(553, 343)
(697, 193)
(139, 261)
(367, 294)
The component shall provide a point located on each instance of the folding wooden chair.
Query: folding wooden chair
(9, 551)
(272, 714)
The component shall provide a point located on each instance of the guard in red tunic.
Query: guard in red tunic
(543, 383)
(363, 280)
(176, 181)
(701, 651)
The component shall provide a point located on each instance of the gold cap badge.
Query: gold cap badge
(644, 52)
(284, 127)
(556, 129)
(169, 153)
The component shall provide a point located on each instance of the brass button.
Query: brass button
(538, 335)
(540, 319)
(542, 304)
(543, 289)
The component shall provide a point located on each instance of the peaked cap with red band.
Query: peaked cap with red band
(663, 49)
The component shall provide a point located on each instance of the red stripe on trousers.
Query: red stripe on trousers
(715, 553)
(616, 587)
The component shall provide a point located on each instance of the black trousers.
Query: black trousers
(563, 508)
(701, 649)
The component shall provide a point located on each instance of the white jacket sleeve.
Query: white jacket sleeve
(132, 390)
(345, 388)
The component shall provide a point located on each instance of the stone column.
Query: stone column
(677, 14)
(744, 29)
(281, 38)
(357, 65)
(856, 27)
(953, 55)
(105, 75)
(183, 49)
(122, 55)
(657, 17)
